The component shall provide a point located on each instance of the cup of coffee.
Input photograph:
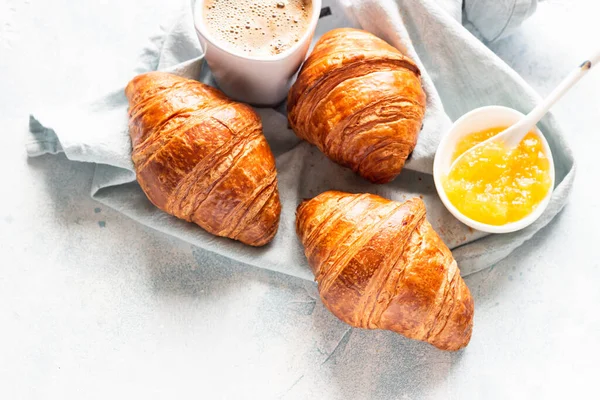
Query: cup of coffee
(254, 47)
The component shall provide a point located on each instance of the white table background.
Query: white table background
(94, 305)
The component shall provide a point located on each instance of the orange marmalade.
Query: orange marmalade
(495, 185)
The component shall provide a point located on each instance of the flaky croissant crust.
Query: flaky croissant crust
(202, 157)
(380, 265)
(360, 101)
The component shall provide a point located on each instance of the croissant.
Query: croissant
(203, 158)
(360, 101)
(380, 265)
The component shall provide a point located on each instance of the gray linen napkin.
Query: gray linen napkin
(459, 74)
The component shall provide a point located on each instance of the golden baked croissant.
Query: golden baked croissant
(360, 101)
(202, 157)
(380, 265)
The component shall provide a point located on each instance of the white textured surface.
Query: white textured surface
(96, 306)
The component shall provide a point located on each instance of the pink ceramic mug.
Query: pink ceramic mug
(255, 80)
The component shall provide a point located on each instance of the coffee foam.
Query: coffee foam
(257, 27)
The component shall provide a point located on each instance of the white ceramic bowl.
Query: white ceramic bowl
(262, 81)
(474, 121)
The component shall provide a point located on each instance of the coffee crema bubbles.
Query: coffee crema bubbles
(257, 27)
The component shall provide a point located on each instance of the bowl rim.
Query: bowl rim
(480, 226)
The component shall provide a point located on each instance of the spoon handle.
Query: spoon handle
(594, 60)
(541, 109)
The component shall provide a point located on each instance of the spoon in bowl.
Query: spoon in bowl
(512, 136)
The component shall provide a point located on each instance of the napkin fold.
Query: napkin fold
(459, 73)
